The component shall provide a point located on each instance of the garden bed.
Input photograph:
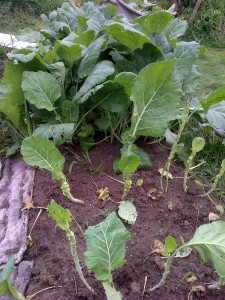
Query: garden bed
(174, 213)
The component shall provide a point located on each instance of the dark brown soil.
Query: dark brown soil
(175, 213)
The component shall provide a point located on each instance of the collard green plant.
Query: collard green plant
(63, 217)
(106, 251)
(6, 286)
(209, 242)
(40, 152)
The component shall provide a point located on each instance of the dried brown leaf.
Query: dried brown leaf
(199, 290)
(213, 217)
(28, 204)
(191, 279)
(165, 173)
(103, 194)
(157, 247)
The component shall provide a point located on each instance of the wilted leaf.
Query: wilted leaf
(213, 217)
(165, 173)
(28, 204)
(198, 290)
(191, 279)
(139, 182)
(157, 247)
(103, 194)
(29, 241)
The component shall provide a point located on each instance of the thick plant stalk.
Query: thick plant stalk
(66, 192)
(73, 247)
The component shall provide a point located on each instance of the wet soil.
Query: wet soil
(173, 213)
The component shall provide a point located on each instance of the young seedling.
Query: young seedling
(218, 177)
(106, 251)
(63, 217)
(209, 241)
(198, 144)
(40, 152)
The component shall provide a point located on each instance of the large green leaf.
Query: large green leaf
(127, 80)
(85, 38)
(175, 29)
(185, 54)
(22, 55)
(98, 75)
(58, 134)
(216, 115)
(58, 71)
(29, 35)
(209, 241)
(153, 23)
(10, 110)
(112, 97)
(68, 53)
(156, 96)
(91, 56)
(40, 152)
(41, 89)
(70, 111)
(127, 35)
(106, 246)
(215, 97)
(95, 22)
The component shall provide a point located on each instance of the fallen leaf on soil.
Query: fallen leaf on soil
(191, 279)
(165, 173)
(157, 247)
(198, 290)
(160, 263)
(29, 241)
(103, 194)
(213, 217)
(28, 204)
(155, 193)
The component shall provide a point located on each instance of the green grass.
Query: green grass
(23, 15)
(211, 65)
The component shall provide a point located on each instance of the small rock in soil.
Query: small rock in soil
(135, 287)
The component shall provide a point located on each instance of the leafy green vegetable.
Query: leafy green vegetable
(209, 241)
(106, 247)
(128, 212)
(63, 217)
(40, 152)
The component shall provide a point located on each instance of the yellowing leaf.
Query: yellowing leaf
(199, 290)
(29, 241)
(28, 204)
(165, 173)
(139, 182)
(103, 194)
(191, 279)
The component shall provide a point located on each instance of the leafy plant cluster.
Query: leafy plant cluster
(208, 25)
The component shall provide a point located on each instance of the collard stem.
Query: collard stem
(66, 190)
(73, 247)
(13, 291)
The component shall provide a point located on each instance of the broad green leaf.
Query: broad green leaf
(13, 76)
(50, 57)
(127, 35)
(144, 162)
(127, 80)
(29, 35)
(170, 136)
(98, 75)
(82, 24)
(86, 143)
(128, 163)
(185, 54)
(111, 292)
(85, 38)
(198, 144)
(209, 241)
(102, 124)
(58, 134)
(106, 246)
(170, 246)
(70, 111)
(40, 152)
(156, 95)
(153, 23)
(112, 97)
(214, 98)
(58, 71)
(69, 39)
(91, 56)
(90, 93)
(128, 212)
(95, 22)
(190, 82)
(21, 55)
(61, 215)
(175, 29)
(10, 110)
(216, 115)
(70, 54)
(41, 89)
